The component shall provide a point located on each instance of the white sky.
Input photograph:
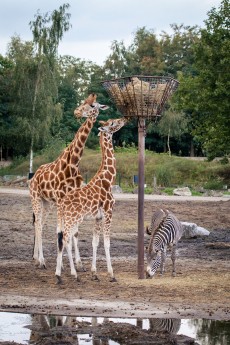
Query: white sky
(96, 23)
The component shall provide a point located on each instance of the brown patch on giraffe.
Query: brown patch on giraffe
(67, 172)
(109, 154)
(106, 184)
(110, 161)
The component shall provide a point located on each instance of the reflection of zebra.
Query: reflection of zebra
(165, 230)
(169, 325)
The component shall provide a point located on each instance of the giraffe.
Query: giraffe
(53, 180)
(94, 199)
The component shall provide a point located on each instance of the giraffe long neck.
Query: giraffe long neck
(108, 163)
(74, 152)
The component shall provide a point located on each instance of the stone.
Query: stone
(116, 189)
(184, 191)
(191, 230)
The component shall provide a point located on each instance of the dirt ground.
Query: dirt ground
(201, 288)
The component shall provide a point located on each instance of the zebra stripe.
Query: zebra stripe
(168, 325)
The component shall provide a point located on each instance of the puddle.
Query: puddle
(58, 330)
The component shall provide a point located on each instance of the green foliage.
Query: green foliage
(170, 171)
(37, 87)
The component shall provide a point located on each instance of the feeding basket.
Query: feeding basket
(140, 96)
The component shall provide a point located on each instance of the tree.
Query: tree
(172, 124)
(36, 77)
(212, 60)
(6, 126)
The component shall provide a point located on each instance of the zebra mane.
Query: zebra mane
(158, 219)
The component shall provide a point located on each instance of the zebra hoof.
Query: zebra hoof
(95, 277)
(113, 280)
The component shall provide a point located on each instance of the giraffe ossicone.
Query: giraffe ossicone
(52, 181)
(94, 199)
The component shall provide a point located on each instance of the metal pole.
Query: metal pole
(141, 181)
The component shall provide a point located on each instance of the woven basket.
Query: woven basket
(140, 96)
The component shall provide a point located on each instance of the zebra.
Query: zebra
(165, 231)
(168, 325)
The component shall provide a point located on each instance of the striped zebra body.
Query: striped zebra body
(167, 325)
(166, 230)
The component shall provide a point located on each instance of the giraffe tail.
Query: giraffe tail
(33, 218)
(60, 241)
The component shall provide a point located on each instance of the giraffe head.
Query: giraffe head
(113, 125)
(89, 108)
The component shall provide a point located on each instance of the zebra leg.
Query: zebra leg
(163, 259)
(173, 258)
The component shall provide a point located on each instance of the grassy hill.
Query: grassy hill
(169, 171)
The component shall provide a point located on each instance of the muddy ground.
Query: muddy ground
(201, 288)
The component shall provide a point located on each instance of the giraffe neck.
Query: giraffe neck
(107, 169)
(74, 151)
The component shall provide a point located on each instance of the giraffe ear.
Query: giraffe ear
(102, 122)
(99, 106)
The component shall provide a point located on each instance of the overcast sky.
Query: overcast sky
(96, 23)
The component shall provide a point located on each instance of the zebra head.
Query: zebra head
(153, 261)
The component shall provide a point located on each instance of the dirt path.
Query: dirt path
(201, 288)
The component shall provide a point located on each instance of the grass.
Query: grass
(168, 171)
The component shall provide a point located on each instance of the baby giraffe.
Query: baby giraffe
(94, 199)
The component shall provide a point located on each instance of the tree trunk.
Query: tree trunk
(33, 117)
(31, 156)
(168, 144)
(192, 150)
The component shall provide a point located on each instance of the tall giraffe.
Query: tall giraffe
(94, 199)
(53, 180)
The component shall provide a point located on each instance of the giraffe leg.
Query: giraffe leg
(70, 256)
(38, 250)
(78, 261)
(59, 224)
(95, 242)
(173, 258)
(60, 247)
(107, 226)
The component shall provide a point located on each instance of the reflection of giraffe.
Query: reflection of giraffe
(50, 329)
(94, 199)
(53, 180)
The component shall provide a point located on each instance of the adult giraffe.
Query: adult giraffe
(52, 181)
(94, 199)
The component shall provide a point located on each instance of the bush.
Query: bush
(164, 175)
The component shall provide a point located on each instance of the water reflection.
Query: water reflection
(44, 330)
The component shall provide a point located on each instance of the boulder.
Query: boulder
(116, 189)
(184, 191)
(191, 230)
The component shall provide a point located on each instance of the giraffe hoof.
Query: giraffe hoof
(81, 269)
(78, 279)
(59, 280)
(94, 277)
(113, 280)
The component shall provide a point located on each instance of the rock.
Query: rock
(184, 191)
(20, 179)
(191, 230)
(214, 193)
(116, 189)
